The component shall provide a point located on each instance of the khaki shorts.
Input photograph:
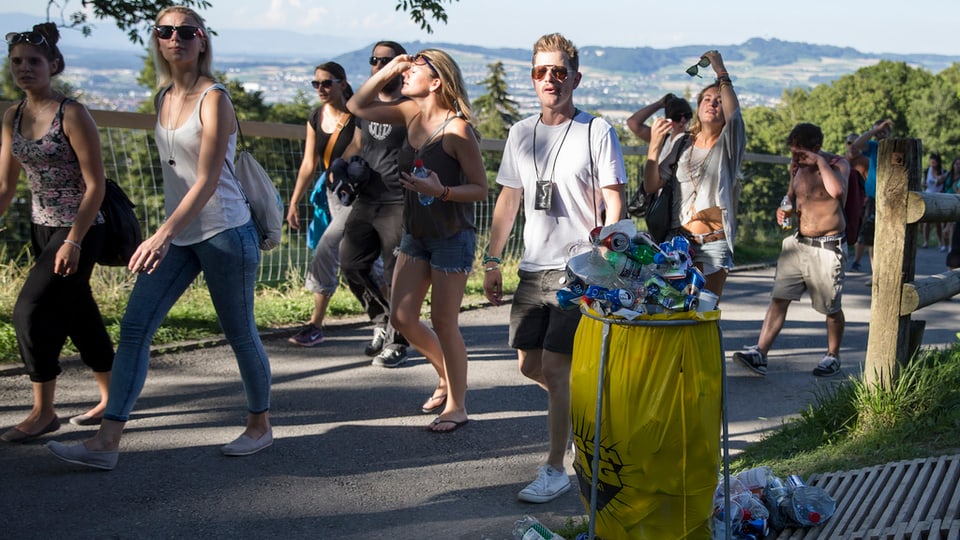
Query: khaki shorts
(814, 268)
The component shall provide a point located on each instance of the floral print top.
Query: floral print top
(56, 182)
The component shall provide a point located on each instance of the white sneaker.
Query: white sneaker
(549, 485)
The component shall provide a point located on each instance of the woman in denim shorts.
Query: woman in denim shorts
(439, 237)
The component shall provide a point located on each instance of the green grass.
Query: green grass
(193, 317)
(852, 425)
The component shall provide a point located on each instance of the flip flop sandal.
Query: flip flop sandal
(430, 410)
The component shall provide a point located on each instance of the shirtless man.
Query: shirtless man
(814, 258)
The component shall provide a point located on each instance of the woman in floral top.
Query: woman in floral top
(55, 141)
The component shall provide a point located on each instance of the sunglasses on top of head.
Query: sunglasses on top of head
(33, 38)
(421, 60)
(380, 60)
(185, 32)
(326, 83)
(539, 73)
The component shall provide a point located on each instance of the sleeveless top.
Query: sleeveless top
(322, 137)
(226, 208)
(440, 219)
(53, 171)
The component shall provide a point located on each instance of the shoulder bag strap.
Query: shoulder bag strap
(332, 141)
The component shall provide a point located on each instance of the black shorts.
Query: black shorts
(536, 319)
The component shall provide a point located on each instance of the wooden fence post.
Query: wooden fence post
(894, 259)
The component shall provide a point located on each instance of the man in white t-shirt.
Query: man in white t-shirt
(567, 168)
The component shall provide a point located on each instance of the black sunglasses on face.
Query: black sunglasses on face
(33, 38)
(326, 83)
(185, 32)
(680, 118)
(694, 70)
(540, 72)
(381, 60)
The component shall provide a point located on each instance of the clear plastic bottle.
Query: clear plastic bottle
(592, 269)
(529, 528)
(421, 172)
(807, 505)
(787, 206)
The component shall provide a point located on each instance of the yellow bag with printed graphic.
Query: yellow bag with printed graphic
(660, 424)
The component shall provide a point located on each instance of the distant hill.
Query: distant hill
(616, 79)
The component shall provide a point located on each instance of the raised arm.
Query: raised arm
(364, 102)
(637, 122)
(728, 97)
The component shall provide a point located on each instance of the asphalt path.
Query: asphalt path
(352, 458)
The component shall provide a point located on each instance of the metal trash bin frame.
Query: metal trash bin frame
(604, 353)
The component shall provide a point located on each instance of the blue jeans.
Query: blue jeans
(229, 263)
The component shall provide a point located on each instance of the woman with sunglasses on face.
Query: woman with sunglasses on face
(208, 230)
(439, 237)
(55, 141)
(705, 190)
(675, 109)
(330, 119)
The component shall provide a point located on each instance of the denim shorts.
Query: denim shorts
(453, 254)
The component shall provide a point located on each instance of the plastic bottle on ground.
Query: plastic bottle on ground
(529, 528)
(807, 505)
(421, 172)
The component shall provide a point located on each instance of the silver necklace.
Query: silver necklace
(172, 127)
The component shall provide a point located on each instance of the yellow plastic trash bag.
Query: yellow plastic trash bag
(659, 428)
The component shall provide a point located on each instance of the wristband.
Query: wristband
(74, 244)
(488, 258)
(491, 268)
(445, 194)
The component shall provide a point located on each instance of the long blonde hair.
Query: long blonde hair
(453, 91)
(162, 67)
(696, 127)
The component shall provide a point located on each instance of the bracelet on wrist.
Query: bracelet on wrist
(488, 258)
(74, 244)
(445, 194)
(491, 268)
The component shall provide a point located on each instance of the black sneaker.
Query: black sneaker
(828, 367)
(376, 344)
(391, 356)
(752, 359)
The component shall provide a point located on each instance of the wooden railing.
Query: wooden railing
(894, 337)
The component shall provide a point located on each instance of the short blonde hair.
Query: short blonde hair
(557, 43)
(453, 90)
(162, 67)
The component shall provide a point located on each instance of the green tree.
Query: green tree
(495, 111)
(133, 16)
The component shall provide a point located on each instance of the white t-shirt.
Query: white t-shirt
(563, 155)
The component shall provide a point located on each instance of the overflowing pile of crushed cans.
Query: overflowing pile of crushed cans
(624, 273)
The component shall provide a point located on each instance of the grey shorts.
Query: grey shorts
(714, 256)
(536, 319)
(818, 268)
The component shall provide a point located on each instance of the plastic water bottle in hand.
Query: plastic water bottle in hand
(421, 172)
(787, 206)
(529, 528)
